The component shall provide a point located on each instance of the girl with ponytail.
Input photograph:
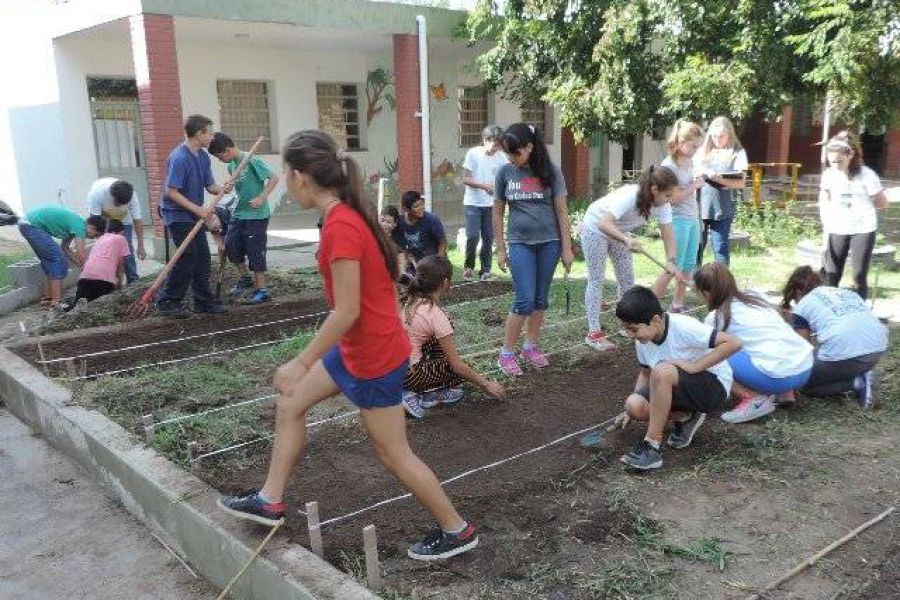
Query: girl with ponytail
(606, 232)
(436, 369)
(537, 235)
(360, 350)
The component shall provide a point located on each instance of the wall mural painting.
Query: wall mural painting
(378, 92)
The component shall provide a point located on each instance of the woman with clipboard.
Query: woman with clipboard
(722, 162)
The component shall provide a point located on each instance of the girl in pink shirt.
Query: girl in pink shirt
(436, 368)
(105, 265)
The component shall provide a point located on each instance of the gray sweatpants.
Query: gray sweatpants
(829, 378)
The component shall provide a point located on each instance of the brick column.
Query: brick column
(409, 126)
(778, 144)
(892, 154)
(159, 93)
(576, 165)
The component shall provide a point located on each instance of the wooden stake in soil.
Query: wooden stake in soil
(40, 346)
(70, 369)
(83, 367)
(312, 525)
(147, 420)
(250, 562)
(821, 554)
(193, 453)
(373, 569)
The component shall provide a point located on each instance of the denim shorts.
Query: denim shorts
(247, 237)
(53, 261)
(380, 392)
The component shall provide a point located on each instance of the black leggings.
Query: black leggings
(93, 289)
(830, 378)
(860, 247)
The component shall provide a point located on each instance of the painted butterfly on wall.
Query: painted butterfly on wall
(439, 92)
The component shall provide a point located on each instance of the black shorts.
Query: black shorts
(224, 216)
(247, 238)
(695, 392)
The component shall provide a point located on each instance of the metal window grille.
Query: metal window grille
(473, 115)
(339, 113)
(538, 114)
(244, 112)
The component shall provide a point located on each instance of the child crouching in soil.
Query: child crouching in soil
(436, 369)
(683, 375)
(104, 269)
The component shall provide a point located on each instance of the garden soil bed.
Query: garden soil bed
(155, 329)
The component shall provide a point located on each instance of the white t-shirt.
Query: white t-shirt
(720, 160)
(100, 202)
(843, 324)
(622, 205)
(688, 339)
(484, 170)
(689, 208)
(845, 205)
(774, 347)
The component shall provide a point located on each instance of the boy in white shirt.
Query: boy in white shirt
(683, 375)
(479, 173)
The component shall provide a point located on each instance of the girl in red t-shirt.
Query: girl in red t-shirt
(361, 349)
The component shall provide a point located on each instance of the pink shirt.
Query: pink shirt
(104, 257)
(427, 322)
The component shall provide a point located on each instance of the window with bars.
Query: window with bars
(473, 115)
(339, 114)
(539, 114)
(244, 113)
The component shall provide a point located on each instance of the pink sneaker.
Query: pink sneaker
(537, 358)
(509, 365)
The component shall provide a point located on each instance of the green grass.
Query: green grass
(11, 258)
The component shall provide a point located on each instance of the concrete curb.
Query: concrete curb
(167, 499)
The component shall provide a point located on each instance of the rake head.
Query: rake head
(139, 309)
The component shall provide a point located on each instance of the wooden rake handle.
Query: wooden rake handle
(182, 248)
(659, 264)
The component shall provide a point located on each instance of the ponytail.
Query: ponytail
(801, 282)
(661, 177)
(431, 273)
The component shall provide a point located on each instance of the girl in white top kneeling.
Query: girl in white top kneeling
(774, 361)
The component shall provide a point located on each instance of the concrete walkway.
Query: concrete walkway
(61, 537)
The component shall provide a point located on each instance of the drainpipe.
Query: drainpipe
(425, 112)
(826, 127)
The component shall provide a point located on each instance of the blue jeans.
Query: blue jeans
(718, 232)
(532, 267)
(53, 261)
(479, 223)
(131, 273)
(191, 270)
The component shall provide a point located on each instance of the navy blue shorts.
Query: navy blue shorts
(247, 238)
(224, 219)
(53, 261)
(381, 392)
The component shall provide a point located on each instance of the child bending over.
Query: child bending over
(683, 374)
(775, 360)
(436, 369)
(104, 268)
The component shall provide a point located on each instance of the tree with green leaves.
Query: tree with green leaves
(619, 66)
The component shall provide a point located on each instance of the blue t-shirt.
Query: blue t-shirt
(423, 237)
(843, 324)
(532, 216)
(190, 174)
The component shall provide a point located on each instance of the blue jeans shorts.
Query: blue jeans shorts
(381, 392)
(53, 261)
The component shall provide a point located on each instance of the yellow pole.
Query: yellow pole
(756, 176)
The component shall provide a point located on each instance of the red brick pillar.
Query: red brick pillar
(409, 126)
(892, 154)
(778, 144)
(159, 93)
(576, 165)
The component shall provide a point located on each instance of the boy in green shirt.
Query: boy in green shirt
(40, 226)
(246, 235)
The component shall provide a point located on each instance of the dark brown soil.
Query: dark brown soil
(154, 329)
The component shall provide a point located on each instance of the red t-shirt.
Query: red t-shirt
(377, 343)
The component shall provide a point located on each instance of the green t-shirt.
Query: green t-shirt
(250, 185)
(59, 222)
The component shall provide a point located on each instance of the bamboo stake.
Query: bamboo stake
(821, 554)
(249, 562)
(40, 346)
(370, 545)
(71, 370)
(148, 426)
(312, 525)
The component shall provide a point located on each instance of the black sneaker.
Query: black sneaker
(864, 386)
(176, 310)
(252, 508)
(211, 308)
(439, 545)
(241, 285)
(682, 434)
(643, 456)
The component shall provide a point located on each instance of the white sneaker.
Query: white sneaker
(468, 274)
(412, 403)
(749, 409)
(598, 341)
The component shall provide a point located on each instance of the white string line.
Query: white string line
(270, 436)
(465, 474)
(181, 339)
(210, 411)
